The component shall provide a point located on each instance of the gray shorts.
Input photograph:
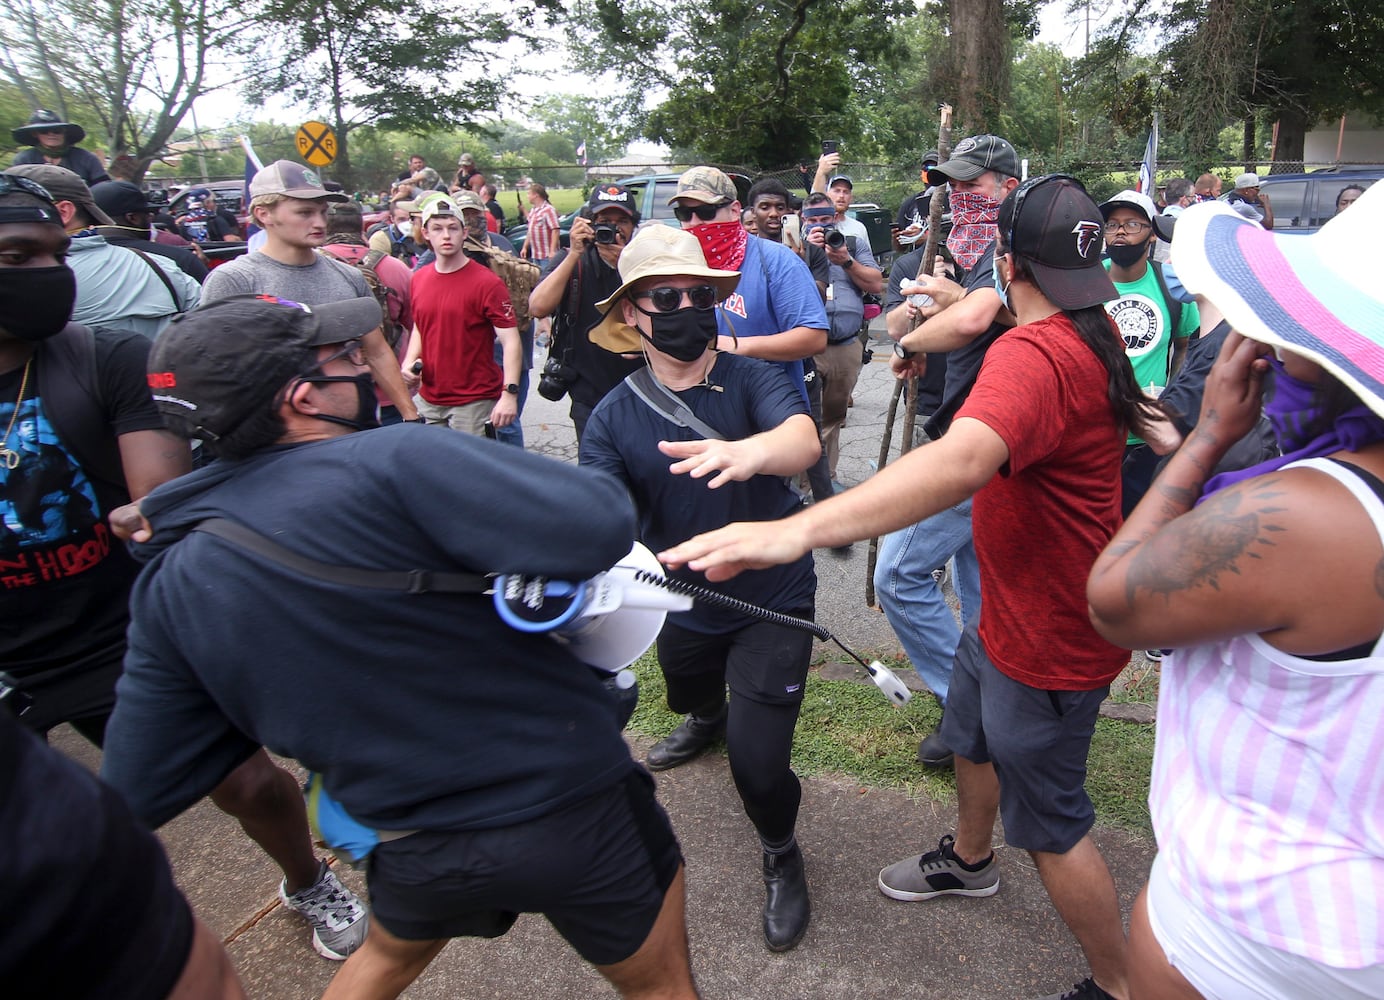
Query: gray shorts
(1037, 740)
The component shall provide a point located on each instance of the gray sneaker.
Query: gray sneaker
(937, 873)
(339, 920)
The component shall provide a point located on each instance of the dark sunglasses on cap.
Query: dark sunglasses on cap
(684, 213)
(667, 299)
(11, 183)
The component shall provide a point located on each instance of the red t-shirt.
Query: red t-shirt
(1040, 524)
(457, 314)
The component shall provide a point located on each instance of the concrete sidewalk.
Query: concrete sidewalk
(861, 945)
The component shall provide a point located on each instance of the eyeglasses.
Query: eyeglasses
(350, 349)
(1131, 226)
(684, 213)
(1022, 191)
(12, 183)
(667, 299)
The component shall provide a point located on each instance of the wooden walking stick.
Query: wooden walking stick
(936, 208)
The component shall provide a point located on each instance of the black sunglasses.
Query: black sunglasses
(11, 183)
(684, 213)
(667, 299)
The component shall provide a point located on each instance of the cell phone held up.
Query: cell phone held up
(830, 146)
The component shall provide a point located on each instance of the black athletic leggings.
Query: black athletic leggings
(765, 666)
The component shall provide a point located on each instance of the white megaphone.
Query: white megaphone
(608, 621)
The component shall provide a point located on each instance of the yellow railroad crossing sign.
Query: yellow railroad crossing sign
(316, 143)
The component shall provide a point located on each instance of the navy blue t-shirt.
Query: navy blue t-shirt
(745, 396)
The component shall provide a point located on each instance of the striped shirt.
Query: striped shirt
(543, 228)
(1268, 788)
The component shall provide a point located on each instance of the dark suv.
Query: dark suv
(1302, 203)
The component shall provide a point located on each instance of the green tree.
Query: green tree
(747, 82)
(1240, 62)
(359, 63)
(583, 119)
(128, 70)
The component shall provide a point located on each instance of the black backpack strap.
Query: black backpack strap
(667, 404)
(159, 272)
(411, 581)
(1174, 306)
(70, 387)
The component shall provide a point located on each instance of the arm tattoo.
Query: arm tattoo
(1196, 549)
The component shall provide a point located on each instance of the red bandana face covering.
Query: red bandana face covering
(973, 225)
(723, 243)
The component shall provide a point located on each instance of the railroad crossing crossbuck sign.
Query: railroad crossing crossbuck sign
(316, 143)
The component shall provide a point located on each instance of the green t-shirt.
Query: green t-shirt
(1145, 324)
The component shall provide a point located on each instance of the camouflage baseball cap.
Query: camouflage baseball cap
(466, 198)
(707, 185)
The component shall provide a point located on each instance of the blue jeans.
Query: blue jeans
(514, 433)
(913, 602)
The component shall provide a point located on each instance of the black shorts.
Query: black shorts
(762, 661)
(1038, 741)
(598, 870)
(83, 695)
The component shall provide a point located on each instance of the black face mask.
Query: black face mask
(684, 333)
(1127, 254)
(367, 406)
(36, 302)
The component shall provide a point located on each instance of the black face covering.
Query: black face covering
(367, 408)
(684, 333)
(1127, 254)
(36, 302)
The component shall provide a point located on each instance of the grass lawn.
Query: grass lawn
(565, 199)
(849, 729)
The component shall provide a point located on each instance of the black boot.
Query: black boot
(933, 752)
(692, 737)
(786, 906)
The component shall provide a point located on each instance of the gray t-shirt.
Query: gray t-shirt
(324, 280)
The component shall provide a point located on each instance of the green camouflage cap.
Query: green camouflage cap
(468, 199)
(707, 185)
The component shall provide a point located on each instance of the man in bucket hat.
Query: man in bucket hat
(494, 743)
(55, 141)
(748, 428)
(1039, 438)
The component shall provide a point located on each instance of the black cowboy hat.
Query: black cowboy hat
(46, 121)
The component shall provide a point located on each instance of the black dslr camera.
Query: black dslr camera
(556, 379)
(604, 233)
(834, 237)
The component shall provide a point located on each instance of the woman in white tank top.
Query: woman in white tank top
(1268, 777)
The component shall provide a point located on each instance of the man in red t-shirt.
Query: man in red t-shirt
(1039, 443)
(459, 310)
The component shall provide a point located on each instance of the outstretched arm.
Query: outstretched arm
(923, 482)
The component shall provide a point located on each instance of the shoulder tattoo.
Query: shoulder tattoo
(1220, 537)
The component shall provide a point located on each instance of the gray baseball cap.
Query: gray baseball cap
(972, 156)
(292, 180)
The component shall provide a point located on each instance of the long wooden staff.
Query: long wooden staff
(936, 208)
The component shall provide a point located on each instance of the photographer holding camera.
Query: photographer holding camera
(572, 283)
(853, 273)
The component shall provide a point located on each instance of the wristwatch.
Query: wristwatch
(850, 263)
(902, 352)
(512, 388)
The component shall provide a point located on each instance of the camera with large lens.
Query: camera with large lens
(834, 237)
(604, 233)
(556, 379)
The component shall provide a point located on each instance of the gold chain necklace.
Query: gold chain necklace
(7, 456)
